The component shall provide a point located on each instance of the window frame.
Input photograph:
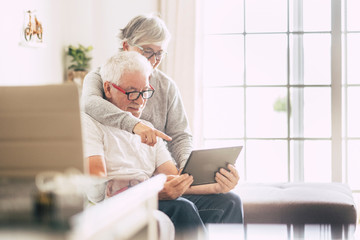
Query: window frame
(338, 121)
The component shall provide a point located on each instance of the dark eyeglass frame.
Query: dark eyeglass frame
(152, 90)
(158, 55)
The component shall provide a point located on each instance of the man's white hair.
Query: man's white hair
(124, 62)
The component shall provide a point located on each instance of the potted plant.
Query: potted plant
(80, 63)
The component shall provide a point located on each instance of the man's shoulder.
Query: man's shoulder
(88, 121)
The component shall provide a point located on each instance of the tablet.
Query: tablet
(203, 164)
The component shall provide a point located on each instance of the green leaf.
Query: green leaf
(79, 56)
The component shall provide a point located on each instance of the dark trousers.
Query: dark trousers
(192, 212)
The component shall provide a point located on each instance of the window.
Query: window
(351, 92)
(282, 78)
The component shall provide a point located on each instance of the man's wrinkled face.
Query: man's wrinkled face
(129, 82)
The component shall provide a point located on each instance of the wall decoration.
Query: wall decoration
(32, 33)
(33, 28)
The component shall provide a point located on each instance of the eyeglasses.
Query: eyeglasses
(149, 53)
(134, 95)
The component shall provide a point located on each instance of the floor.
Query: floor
(357, 231)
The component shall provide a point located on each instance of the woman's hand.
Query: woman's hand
(175, 186)
(226, 180)
(148, 134)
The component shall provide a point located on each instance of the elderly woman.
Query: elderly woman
(148, 35)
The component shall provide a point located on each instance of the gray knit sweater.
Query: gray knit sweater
(164, 110)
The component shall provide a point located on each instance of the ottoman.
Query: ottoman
(298, 203)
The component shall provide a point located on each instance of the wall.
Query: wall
(179, 64)
(108, 17)
(89, 22)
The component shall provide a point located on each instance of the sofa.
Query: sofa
(298, 203)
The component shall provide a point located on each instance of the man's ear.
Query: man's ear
(107, 88)
(125, 46)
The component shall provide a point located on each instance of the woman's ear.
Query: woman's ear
(107, 88)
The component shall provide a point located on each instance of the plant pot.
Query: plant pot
(77, 77)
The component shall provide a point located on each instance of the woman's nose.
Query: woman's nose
(152, 60)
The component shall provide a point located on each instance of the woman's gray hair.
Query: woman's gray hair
(124, 62)
(144, 29)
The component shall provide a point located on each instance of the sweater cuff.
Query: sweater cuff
(182, 161)
(129, 123)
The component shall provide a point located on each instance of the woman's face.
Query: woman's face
(153, 52)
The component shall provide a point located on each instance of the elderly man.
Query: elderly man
(120, 155)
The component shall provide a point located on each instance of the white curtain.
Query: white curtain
(180, 64)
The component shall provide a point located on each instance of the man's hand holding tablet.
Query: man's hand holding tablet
(214, 166)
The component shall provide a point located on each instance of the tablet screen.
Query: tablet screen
(203, 164)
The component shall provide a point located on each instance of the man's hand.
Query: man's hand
(175, 186)
(226, 180)
(148, 134)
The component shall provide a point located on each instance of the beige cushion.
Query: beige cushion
(298, 203)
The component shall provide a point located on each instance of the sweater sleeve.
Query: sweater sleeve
(94, 104)
(177, 126)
